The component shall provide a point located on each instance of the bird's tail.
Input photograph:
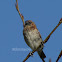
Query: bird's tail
(42, 55)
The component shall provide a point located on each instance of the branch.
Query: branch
(59, 56)
(52, 31)
(17, 8)
(30, 54)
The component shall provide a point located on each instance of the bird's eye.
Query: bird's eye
(28, 23)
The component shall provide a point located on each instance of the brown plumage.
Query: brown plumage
(33, 38)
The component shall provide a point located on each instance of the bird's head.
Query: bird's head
(30, 24)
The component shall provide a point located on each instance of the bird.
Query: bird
(32, 35)
(33, 38)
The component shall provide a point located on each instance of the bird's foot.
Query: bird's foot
(60, 20)
(31, 54)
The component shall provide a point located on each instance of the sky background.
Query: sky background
(46, 15)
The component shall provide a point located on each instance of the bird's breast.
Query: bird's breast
(32, 38)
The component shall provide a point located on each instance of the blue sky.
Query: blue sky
(46, 15)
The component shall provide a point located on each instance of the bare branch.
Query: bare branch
(59, 56)
(30, 55)
(22, 17)
(52, 31)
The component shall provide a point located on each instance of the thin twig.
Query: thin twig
(22, 17)
(52, 31)
(59, 56)
(30, 55)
